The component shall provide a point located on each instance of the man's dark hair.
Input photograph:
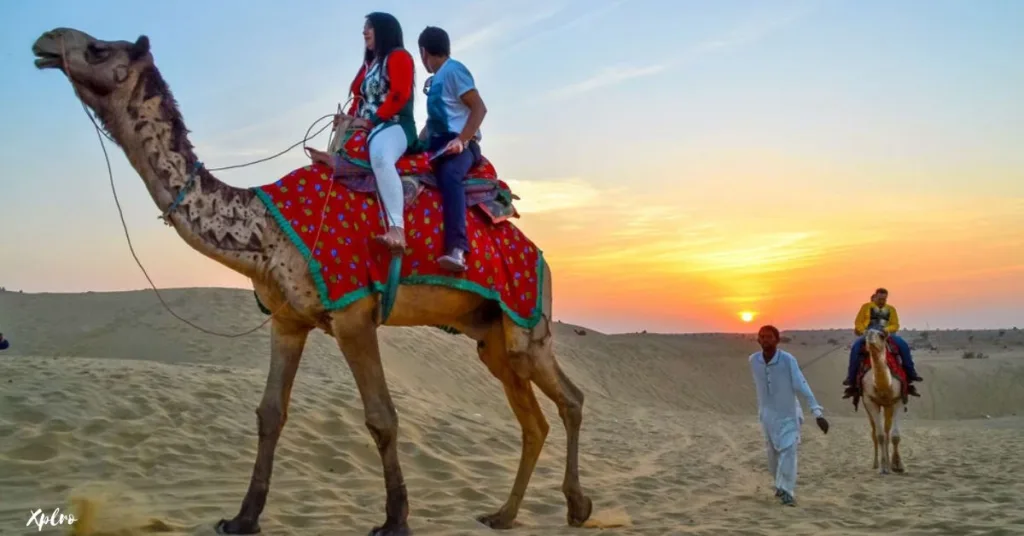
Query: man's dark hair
(387, 35)
(435, 41)
(881, 290)
(770, 328)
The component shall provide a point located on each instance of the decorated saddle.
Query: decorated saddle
(484, 191)
(892, 359)
(333, 217)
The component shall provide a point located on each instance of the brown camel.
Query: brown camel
(120, 83)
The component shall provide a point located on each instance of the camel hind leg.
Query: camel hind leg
(532, 356)
(529, 414)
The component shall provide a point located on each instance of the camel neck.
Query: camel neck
(218, 220)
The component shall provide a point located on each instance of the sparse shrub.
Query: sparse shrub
(974, 355)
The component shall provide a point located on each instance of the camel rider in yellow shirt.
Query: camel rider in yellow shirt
(877, 313)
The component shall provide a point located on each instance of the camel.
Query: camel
(120, 83)
(883, 401)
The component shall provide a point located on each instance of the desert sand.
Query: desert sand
(113, 409)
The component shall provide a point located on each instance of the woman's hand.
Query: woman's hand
(357, 122)
(319, 157)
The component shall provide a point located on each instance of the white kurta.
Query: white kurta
(779, 411)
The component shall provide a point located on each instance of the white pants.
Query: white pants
(782, 465)
(387, 145)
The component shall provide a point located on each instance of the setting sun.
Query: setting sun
(747, 316)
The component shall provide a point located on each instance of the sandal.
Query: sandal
(394, 239)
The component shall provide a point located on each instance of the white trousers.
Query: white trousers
(387, 145)
(782, 465)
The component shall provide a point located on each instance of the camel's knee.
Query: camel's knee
(271, 418)
(382, 423)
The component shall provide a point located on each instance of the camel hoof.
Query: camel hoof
(579, 514)
(391, 530)
(237, 526)
(899, 470)
(497, 521)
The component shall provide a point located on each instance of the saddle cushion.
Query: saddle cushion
(484, 190)
(892, 359)
(347, 264)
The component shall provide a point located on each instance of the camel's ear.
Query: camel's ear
(139, 49)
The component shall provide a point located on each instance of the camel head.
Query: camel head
(104, 73)
(876, 339)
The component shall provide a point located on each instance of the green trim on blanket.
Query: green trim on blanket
(316, 272)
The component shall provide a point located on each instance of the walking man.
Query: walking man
(778, 379)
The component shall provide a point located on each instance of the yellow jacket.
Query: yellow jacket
(871, 314)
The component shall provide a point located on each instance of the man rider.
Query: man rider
(878, 314)
(452, 133)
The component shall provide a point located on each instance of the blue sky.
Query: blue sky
(681, 111)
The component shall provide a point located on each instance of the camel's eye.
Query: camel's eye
(96, 54)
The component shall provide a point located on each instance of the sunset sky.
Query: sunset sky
(678, 162)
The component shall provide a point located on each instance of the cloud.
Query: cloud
(490, 34)
(607, 77)
(743, 34)
(553, 195)
(586, 16)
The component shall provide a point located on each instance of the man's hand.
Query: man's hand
(454, 147)
(823, 424)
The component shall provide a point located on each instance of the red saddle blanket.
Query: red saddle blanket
(346, 263)
(892, 359)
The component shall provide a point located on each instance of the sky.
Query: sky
(679, 163)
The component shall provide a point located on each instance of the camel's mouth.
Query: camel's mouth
(46, 60)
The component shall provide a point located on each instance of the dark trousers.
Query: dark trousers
(858, 346)
(451, 170)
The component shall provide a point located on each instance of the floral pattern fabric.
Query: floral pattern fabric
(347, 264)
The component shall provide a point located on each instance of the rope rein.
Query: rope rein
(166, 216)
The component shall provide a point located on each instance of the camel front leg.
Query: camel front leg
(872, 413)
(531, 419)
(286, 344)
(886, 460)
(362, 352)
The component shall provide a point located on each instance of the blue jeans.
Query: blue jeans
(858, 346)
(450, 171)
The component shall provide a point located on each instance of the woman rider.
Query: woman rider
(382, 100)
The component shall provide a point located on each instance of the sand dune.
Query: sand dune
(107, 398)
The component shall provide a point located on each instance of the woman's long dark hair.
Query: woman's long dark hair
(387, 36)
